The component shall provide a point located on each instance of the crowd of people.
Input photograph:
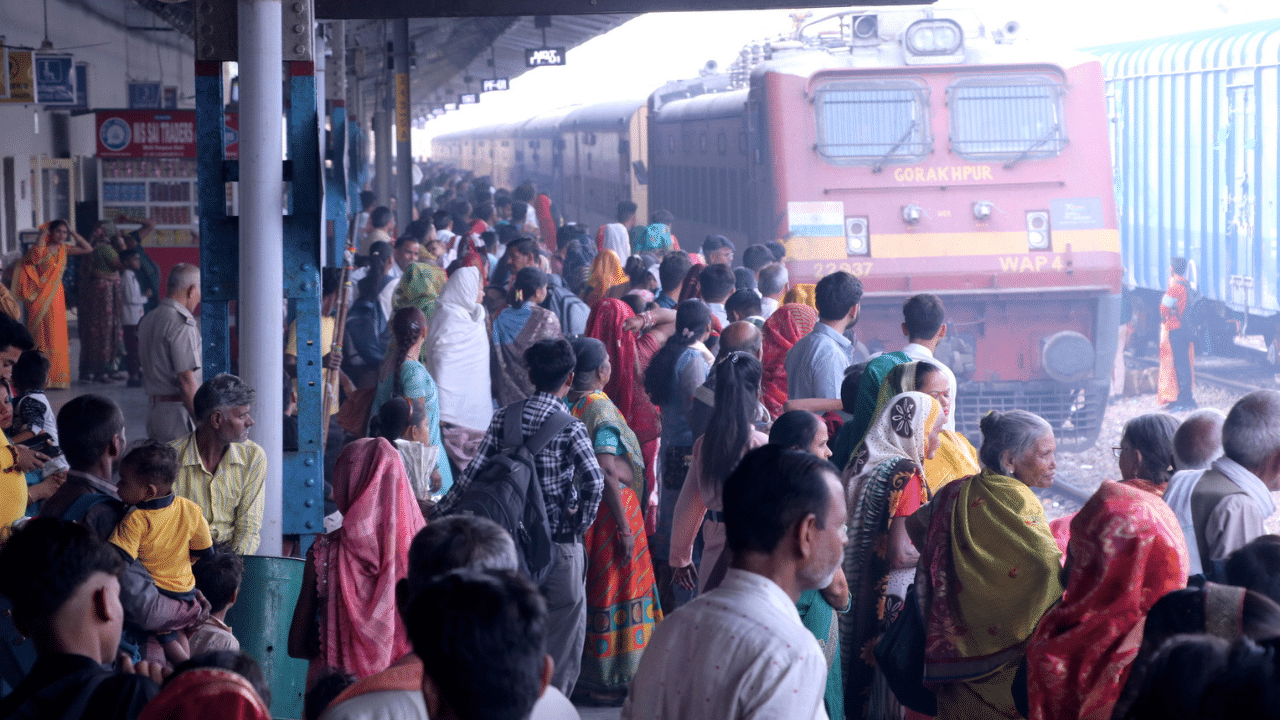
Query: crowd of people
(565, 464)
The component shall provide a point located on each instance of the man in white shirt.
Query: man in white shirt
(924, 324)
(740, 651)
(716, 283)
(616, 236)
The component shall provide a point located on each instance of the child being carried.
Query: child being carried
(164, 532)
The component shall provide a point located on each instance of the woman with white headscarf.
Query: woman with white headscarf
(457, 356)
(886, 484)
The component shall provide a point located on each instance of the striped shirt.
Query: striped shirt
(232, 496)
(568, 472)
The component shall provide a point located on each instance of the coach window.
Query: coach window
(1006, 117)
(872, 122)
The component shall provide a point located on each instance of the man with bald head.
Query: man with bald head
(169, 350)
(1196, 444)
(1231, 499)
(741, 336)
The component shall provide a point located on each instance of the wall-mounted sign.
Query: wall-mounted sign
(144, 95)
(21, 77)
(495, 85)
(468, 99)
(55, 79)
(146, 133)
(545, 56)
(82, 86)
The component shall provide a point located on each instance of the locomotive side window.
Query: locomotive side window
(872, 122)
(1007, 117)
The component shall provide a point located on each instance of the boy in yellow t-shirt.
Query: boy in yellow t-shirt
(161, 530)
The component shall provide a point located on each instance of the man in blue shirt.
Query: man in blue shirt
(816, 364)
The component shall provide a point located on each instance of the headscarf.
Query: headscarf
(358, 564)
(420, 287)
(207, 693)
(955, 457)
(864, 408)
(692, 285)
(614, 237)
(654, 238)
(993, 571)
(606, 271)
(804, 293)
(626, 385)
(458, 353)
(781, 331)
(1127, 551)
(900, 430)
(546, 223)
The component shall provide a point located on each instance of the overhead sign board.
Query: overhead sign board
(450, 106)
(146, 133)
(468, 98)
(495, 85)
(144, 95)
(55, 77)
(543, 57)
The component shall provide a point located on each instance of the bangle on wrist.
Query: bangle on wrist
(848, 605)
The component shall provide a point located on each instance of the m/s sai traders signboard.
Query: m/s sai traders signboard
(146, 133)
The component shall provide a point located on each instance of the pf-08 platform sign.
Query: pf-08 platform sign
(146, 133)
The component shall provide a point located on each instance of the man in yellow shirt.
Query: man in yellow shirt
(331, 279)
(219, 468)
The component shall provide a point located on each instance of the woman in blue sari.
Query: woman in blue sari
(403, 376)
(515, 330)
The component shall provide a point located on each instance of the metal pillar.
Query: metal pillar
(382, 150)
(335, 193)
(404, 149)
(261, 316)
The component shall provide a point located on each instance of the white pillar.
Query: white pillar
(260, 313)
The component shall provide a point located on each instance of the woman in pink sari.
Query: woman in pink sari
(346, 616)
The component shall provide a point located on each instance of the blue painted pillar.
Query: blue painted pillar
(219, 233)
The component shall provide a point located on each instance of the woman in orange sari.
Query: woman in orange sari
(606, 272)
(37, 281)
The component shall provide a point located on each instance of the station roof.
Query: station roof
(449, 51)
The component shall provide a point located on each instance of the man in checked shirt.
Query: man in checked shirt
(572, 485)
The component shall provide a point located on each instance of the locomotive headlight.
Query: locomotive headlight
(982, 210)
(857, 238)
(1038, 237)
(911, 214)
(937, 36)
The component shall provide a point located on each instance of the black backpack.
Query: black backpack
(1195, 314)
(569, 309)
(507, 491)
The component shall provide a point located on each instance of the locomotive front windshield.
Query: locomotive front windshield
(871, 122)
(1004, 117)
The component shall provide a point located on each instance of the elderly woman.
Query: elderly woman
(886, 484)
(988, 568)
(622, 595)
(346, 617)
(1126, 552)
(1145, 453)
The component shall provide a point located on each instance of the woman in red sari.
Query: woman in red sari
(629, 357)
(348, 585)
(546, 222)
(783, 329)
(37, 281)
(622, 593)
(207, 692)
(1127, 551)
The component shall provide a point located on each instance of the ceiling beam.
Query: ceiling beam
(391, 9)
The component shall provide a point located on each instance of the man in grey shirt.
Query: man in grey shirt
(1233, 497)
(816, 364)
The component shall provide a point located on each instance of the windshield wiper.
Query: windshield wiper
(1052, 133)
(883, 158)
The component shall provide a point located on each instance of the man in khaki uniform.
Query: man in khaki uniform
(169, 348)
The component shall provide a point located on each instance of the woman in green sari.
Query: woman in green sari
(622, 593)
(420, 287)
